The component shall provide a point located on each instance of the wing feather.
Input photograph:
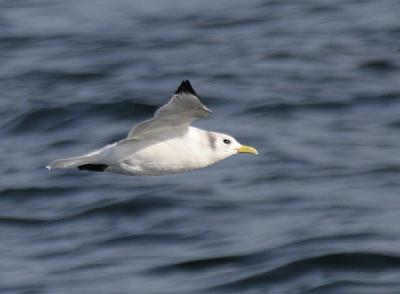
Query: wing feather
(174, 117)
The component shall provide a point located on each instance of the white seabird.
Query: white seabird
(165, 144)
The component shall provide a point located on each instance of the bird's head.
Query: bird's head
(223, 145)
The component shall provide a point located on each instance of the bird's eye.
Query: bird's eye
(227, 141)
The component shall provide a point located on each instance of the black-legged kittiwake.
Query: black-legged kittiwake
(165, 144)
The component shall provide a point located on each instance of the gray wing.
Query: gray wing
(174, 117)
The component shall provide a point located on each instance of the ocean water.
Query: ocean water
(313, 85)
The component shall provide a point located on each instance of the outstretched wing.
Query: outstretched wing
(174, 117)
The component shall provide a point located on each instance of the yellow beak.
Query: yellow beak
(247, 149)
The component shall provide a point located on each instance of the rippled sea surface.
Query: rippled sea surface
(314, 85)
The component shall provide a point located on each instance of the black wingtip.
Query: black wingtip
(93, 167)
(186, 87)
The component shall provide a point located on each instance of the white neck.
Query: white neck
(205, 147)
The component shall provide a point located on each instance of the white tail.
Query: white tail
(94, 157)
(69, 162)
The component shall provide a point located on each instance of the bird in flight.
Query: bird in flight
(164, 144)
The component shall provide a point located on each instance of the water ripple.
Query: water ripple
(331, 106)
(57, 118)
(347, 262)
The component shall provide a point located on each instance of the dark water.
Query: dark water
(314, 85)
